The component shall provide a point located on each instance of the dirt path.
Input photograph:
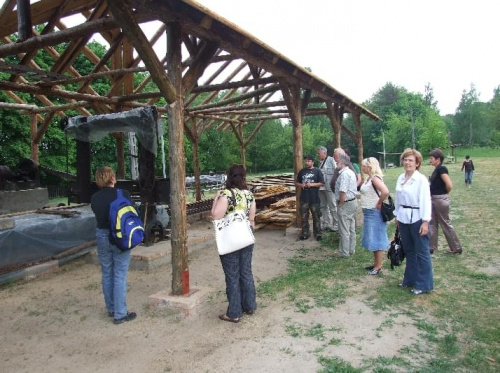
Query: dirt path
(58, 323)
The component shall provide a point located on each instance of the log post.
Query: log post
(25, 27)
(359, 135)
(291, 96)
(196, 167)
(177, 163)
(120, 155)
(35, 155)
(333, 112)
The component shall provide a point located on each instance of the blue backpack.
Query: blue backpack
(126, 226)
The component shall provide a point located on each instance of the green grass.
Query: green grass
(475, 152)
(458, 323)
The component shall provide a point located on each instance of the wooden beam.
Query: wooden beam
(232, 85)
(55, 38)
(271, 88)
(55, 92)
(198, 66)
(122, 12)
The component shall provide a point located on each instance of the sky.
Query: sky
(357, 46)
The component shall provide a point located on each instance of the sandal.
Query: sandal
(225, 317)
(375, 271)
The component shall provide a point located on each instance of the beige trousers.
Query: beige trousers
(441, 217)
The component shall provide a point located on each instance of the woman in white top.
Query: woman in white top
(413, 213)
(373, 193)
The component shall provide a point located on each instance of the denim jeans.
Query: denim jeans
(114, 267)
(240, 287)
(468, 177)
(418, 271)
(315, 209)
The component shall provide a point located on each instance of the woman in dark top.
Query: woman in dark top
(441, 185)
(114, 262)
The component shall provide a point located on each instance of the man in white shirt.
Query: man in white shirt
(328, 203)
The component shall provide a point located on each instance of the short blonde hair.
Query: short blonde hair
(418, 156)
(104, 176)
(373, 165)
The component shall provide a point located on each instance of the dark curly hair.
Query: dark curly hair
(236, 177)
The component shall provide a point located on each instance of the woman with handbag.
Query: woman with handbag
(237, 265)
(413, 213)
(373, 194)
(440, 187)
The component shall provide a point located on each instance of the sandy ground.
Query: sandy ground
(58, 323)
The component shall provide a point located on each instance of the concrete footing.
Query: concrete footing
(184, 305)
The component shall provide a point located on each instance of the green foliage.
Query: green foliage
(407, 119)
(14, 136)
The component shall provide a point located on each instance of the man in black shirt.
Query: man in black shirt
(309, 180)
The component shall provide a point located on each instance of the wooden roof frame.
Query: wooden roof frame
(245, 77)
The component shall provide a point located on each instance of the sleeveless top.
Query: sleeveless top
(244, 199)
(369, 197)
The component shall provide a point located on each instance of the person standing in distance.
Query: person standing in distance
(308, 181)
(328, 204)
(114, 262)
(468, 166)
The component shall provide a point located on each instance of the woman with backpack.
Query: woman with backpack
(237, 265)
(114, 262)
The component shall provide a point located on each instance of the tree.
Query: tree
(466, 116)
(429, 97)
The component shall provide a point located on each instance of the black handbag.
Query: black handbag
(387, 208)
(396, 253)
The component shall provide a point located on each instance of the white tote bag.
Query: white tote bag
(233, 232)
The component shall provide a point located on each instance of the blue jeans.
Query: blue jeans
(418, 271)
(114, 267)
(468, 177)
(240, 287)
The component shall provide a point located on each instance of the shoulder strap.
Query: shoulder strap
(376, 191)
(234, 197)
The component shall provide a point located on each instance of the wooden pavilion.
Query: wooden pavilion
(242, 80)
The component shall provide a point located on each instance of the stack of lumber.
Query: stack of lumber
(279, 214)
(283, 179)
(266, 191)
